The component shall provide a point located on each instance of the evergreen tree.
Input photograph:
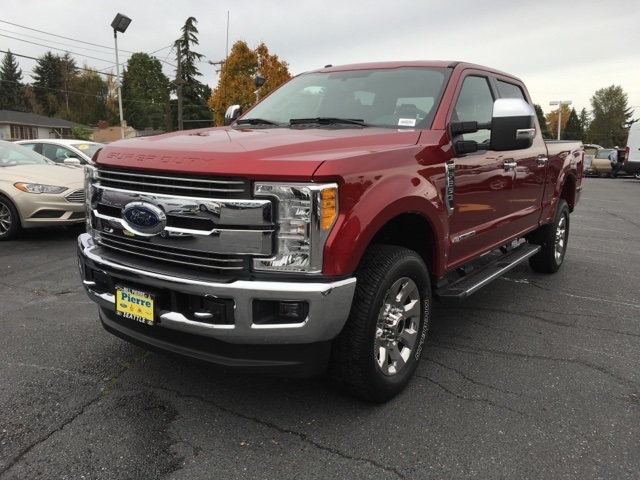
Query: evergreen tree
(12, 90)
(584, 121)
(196, 111)
(49, 86)
(573, 128)
(541, 120)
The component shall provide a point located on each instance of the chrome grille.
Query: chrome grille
(77, 196)
(168, 184)
(171, 254)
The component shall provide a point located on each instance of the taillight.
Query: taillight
(626, 155)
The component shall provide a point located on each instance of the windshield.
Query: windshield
(89, 149)
(12, 154)
(399, 97)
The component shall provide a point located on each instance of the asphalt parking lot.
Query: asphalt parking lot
(535, 376)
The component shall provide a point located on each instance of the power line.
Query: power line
(60, 36)
(52, 41)
(54, 48)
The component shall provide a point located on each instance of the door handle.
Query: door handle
(542, 161)
(510, 165)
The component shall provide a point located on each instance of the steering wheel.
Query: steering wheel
(413, 111)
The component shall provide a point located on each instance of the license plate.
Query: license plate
(135, 305)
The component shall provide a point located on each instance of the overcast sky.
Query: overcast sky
(561, 49)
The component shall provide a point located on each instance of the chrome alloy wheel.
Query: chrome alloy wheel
(561, 238)
(5, 219)
(398, 326)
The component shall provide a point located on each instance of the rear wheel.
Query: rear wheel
(553, 240)
(377, 353)
(636, 175)
(9, 220)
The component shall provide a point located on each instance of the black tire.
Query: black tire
(377, 352)
(554, 239)
(636, 175)
(9, 220)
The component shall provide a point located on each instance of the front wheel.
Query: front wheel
(9, 220)
(377, 353)
(553, 239)
(636, 175)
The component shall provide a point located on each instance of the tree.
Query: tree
(144, 92)
(52, 75)
(88, 97)
(274, 71)
(611, 117)
(196, 111)
(552, 120)
(236, 83)
(573, 128)
(12, 91)
(541, 120)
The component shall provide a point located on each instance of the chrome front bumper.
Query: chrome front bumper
(329, 303)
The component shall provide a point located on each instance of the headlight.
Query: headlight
(90, 174)
(38, 188)
(306, 214)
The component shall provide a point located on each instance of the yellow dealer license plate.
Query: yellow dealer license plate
(135, 305)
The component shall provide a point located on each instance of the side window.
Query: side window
(475, 104)
(30, 146)
(509, 90)
(49, 151)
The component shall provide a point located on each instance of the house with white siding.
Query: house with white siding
(28, 126)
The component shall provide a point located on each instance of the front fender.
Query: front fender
(370, 203)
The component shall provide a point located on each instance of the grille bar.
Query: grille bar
(77, 196)
(192, 186)
(171, 254)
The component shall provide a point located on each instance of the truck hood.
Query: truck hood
(281, 153)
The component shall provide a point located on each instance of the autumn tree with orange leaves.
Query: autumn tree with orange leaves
(236, 83)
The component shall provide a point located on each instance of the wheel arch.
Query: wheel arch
(407, 222)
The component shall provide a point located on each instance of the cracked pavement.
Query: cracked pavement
(535, 376)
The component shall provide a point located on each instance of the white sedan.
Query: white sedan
(63, 150)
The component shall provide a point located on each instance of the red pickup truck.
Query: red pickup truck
(313, 232)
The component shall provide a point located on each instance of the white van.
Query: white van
(631, 163)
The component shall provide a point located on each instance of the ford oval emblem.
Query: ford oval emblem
(143, 218)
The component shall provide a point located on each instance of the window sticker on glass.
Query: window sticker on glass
(83, 147)
(407, 122)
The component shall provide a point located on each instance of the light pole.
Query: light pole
(119, 24)
(560, 103)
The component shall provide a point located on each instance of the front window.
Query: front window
(475, 104)
(398, 97)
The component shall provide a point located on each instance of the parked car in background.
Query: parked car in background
(631, 163)
(601, 165)
(36, 192)
(62, 150)
(590, 150)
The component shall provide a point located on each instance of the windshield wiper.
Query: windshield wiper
(257, 121)
(328, 121)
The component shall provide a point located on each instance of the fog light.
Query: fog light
(274, 312)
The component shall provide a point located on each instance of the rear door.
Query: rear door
(531, 169)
